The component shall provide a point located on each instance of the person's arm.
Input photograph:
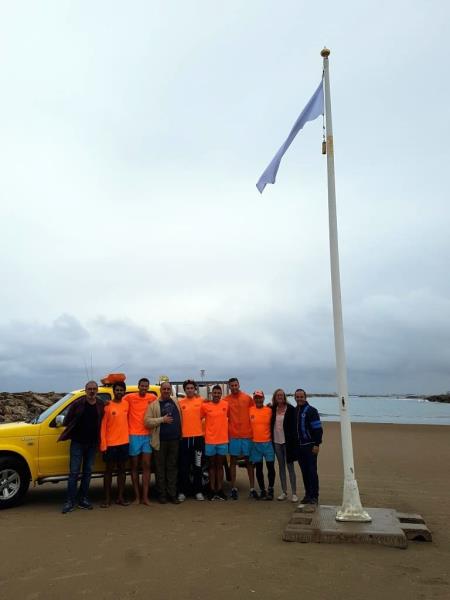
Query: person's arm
(180, 412)
(101, 407)
(103, 444)
(151, 420)
(315, 427)
(290, 424)
(71, 414)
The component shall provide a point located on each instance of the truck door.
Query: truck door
(54, 455)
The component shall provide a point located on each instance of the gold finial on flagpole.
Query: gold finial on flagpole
(325, 53)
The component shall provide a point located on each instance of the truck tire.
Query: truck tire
(14, 481)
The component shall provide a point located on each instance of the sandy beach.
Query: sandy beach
(234, 549)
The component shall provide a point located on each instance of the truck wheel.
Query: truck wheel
(14, 481)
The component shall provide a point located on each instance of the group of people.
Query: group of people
(185, 435)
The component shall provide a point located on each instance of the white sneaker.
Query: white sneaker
(282, 496)
(199, 496)
(294, 498)
(181, 497)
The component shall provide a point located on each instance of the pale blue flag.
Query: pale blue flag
(312, 110)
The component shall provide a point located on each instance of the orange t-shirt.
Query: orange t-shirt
(114, 429)
(136, 412)
(216, 419)
(239, 425)
(191, 418)
(260, 420)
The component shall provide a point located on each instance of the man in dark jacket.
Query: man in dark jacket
(82, 427)
(309, 435)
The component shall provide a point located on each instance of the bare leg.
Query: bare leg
(251, 473)
(135, 478)
(121, 477)
(146, 472)
(107, 481)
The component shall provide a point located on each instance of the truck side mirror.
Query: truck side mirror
(59, 421)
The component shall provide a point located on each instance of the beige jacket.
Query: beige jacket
(153, 420)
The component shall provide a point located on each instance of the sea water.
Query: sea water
(379, 409)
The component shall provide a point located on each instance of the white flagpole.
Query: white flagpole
(351, 509)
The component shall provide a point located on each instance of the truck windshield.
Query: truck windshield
(48, 411)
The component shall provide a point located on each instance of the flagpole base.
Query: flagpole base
(387, 527)
(353, 514)
(351, 509)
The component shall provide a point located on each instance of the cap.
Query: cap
(259, 393)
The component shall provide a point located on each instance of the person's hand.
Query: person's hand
(315, 449)
(167, 419)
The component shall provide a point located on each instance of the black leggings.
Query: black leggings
(260, 474)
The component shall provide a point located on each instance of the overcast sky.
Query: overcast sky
(131, 138)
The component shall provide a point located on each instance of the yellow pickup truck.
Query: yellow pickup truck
(30, 452)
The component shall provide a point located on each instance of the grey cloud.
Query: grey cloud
(393, 345)
(131, 143)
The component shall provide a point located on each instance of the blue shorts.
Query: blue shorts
(140, 444)
(216, 449)
(240, 446)
(262, 450)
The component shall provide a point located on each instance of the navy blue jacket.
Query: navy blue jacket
(309, 426)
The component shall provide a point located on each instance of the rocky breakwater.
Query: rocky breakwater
(439, 398)
(24, 406)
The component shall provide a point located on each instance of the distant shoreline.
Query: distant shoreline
(432, 398)
(444, 398)
(26, 406)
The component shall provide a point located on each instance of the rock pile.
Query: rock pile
(439, 398)
(24, 406)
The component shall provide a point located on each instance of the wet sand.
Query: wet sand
(230, 550)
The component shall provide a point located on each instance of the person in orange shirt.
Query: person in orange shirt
(216, 441)
(262, 447)
(140, 439)
(240, 434)
(114, 441)
(192, 444)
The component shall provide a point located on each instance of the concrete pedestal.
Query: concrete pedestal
(312, 523)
